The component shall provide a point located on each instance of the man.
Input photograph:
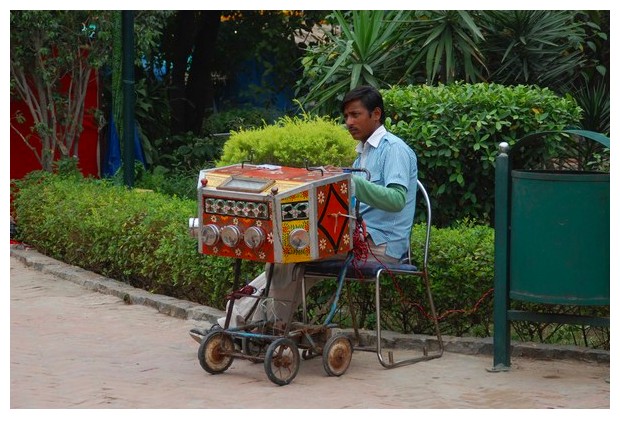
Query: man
(387, 203)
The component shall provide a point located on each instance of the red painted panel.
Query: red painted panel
(23, 159)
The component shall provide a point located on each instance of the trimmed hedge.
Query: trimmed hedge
(129, 235)
(455, 131)
(141, 238)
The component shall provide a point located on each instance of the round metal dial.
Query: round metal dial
(299, 238)
(230, 235)
(210, 234)
(254, 237)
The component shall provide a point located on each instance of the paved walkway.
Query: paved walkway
(72, 347)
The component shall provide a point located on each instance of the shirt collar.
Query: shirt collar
(373, 140)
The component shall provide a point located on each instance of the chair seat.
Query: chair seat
(366, 270)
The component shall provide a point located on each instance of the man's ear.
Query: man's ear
(376, 114)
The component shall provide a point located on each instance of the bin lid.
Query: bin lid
(562, 175)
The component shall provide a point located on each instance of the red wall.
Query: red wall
(23, 159)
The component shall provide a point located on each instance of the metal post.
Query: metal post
(128, 99)
(501, 324)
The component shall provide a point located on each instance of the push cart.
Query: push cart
(275, 214)
(280, 346)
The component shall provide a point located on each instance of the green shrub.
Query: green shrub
(181, 184)
(461, 277)
(141, 238)
(455, 130)
(130, 235)
(461, 269)
(292, 141)
(179, 158)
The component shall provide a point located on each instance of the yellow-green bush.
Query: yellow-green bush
(293, 142)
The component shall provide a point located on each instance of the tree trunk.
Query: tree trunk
(181, 48)
(200, 89)
(195, 33)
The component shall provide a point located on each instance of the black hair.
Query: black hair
(369, 96)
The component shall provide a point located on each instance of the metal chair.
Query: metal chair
(373, 271)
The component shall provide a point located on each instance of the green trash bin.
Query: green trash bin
(559, 247)
(552, 242)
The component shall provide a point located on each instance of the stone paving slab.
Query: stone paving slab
(73, 346)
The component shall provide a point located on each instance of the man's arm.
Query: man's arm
(391, 198)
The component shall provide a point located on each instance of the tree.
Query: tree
(268, 45)
(53, 56)
(380, 48)
(363, 48)
(190, 46)
(567, 51)
(450, 48)
(543, 47)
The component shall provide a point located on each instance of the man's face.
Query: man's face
(359, 121)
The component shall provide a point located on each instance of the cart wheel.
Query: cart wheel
(214, 353)
(337, 355)
(282, 361)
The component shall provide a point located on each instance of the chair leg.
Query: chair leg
(431, 302)
(390, 363)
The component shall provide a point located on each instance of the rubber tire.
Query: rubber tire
(213, 352)
(337, 355)
(282, 361)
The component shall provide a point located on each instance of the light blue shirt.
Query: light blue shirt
(390, 161)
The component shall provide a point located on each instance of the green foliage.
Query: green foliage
(46, 48)
(455, 130)
(595, 102)
(180, 184)
(130, 235)
(365, 52)
(189, 152)
(237, 119)
(264, 39)
(451, 47)
(543, 47)
(554, 333)
(141, 238)
(292, 141)
(179, 158)
(461, 268)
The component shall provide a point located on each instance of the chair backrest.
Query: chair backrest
(427, 239)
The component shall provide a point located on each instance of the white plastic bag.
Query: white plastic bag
(244, 306)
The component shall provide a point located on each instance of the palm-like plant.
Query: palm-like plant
(450, 46)
(594, 100)
(533, 46)
(365, 52)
